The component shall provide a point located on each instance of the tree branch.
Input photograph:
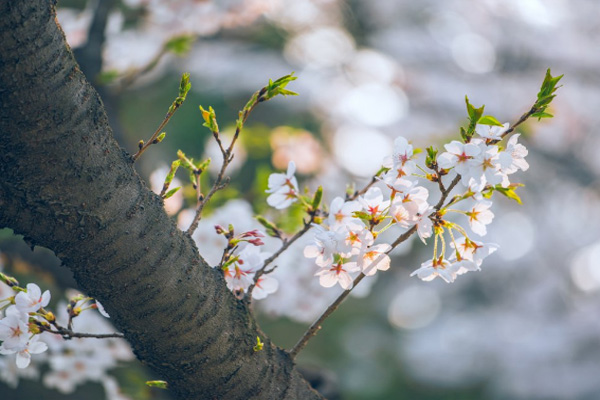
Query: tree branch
(66, 185)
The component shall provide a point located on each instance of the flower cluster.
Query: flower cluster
(480, 163)
(344, 243)
(18, 329)
(242, 259)
(27, 329)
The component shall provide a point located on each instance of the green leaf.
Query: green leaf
(184, 84)
(180, 45)
(174, 166)
(474, 113)
(160, 137)
(474, 117)
(210, 119)
(278, 87)
(316, 201)
(203, 165)
(158, 384)
(431, 157)
(546, 95)
(171, 192)
(271, 229)
(540, 115)
(107, 77)
(186, 162)
(489, 120)
(510, 191)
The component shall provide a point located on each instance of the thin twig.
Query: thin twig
(68, 333)
(523, 118)
(363, 190)
(227, 158)
(286, 244)
(155, 135)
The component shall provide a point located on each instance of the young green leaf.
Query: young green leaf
(316, 201)
(510, 191)
(171, 192)
(186, 162)
(489, 120)
(158, 384)
(210, 119)
(180, 45)
(278, 87)
(546, 95)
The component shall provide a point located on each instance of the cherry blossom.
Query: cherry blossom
(424, 224)
(327, 243)
(25, 350)
(401, 161)
(480, 216)
(357, 237)
(512, 158)
(283, 188)
(431, 269)
(473, 250)
(463, 266)
(459, 156)
(337, 273)
(33, 299)
(373, 202)
(13, 330)
(340, 212)
(265, 286)
(374, 258)
(485, 168)
(492, 132)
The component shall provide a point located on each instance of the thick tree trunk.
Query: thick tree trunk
(65, 184)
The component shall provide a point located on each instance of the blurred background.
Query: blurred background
(526, 327)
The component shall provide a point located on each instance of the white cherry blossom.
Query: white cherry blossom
(485, 168)
(33, 299)
(401, 162)
(327, 243)
(459, 156)
(337, 273)
(473, 250)
(25, 350)
(492, 132)
(340, 212)
(431, 269)
(265, 286)
(512, 158)
(374, 258)
(357, 237)
(14, 332)
(480, 216)
(373, 202)
(283, 188)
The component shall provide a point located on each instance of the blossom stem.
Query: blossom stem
(221, 181)
(286, 244)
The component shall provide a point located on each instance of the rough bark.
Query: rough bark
(65, 184)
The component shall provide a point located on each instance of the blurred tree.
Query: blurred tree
(66, 185)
